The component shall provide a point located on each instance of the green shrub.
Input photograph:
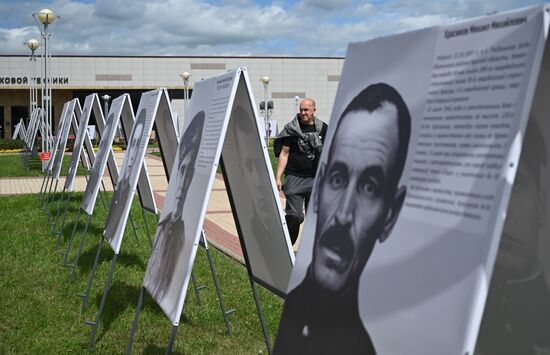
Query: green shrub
(6, 144)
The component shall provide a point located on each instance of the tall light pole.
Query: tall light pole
(185, 76)
(45, 19)
(32, 45)
(265, 81)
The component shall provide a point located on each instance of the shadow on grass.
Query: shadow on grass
(88, 256)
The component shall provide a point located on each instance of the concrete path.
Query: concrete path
(219, 226)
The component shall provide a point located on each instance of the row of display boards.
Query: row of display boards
(436, 139)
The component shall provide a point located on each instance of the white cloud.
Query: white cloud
(226, 27)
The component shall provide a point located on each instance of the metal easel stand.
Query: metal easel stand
(243, 247)
(46, 195)
(225, 313)
(171, 340)
(60, 232)
(66, 253)
(95, 324)
(48, 203)
(74, 264)
(59, 202)
(44, 184)
(84, 295)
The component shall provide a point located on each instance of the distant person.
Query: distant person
(357, 201)
(517, 312)
(123, 185)
(298, 148)
(170, 235)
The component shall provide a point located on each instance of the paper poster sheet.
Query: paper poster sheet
(256, 203)
(63, 136)
(78, 143)
(105, 148)
(131, 168)
(33, 127)
(178, 232)
(412, 188)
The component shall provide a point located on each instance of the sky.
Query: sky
(311, 28)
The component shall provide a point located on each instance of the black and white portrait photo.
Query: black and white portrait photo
(357, 199)
(122, 198)
(171, 233)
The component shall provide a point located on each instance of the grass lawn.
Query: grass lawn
(40, 309)
(11, 165)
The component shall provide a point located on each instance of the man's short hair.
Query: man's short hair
(371, 99)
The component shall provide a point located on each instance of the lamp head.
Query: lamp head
(265, 80)
(185, 75)
(33, 44)
(46, 16)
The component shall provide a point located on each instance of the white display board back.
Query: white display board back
(256, 203)
(78, 143)
(108, 130)
(412, 189)
(217, 103)
(63, 136)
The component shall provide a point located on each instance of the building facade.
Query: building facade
(292, 78)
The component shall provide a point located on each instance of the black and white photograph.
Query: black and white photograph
(105, 144)
(411, 182)
(171, 234)
(131, 168)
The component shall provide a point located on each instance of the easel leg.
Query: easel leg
(86, 294)
(196, 288)
(46, 197)
(48, 203)
(82, 239)
(147, 227)
(171, 340)
(219, 292)
(95, 324)
(59, 205)
(44, 183)
(65, 212)
(72, 237)
(260, 314)
(135, 323)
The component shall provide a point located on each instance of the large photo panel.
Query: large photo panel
(255, 197)
(412, 187)
(104, 150)
(131, 169)
(63, 136)
(191, 179)
(78, 143)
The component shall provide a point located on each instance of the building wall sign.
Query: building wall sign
(23, 80)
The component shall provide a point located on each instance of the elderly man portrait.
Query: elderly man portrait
(357, 201)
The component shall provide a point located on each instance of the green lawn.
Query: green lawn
(11, 165)
(40, 310)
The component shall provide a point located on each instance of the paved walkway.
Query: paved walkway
(219, 226)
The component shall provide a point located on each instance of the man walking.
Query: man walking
(298, 148)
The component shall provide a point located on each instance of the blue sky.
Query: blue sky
(228, 27)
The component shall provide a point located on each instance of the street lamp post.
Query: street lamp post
(265, 81)
(45, 19)
(32, 45)
(185, 76)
